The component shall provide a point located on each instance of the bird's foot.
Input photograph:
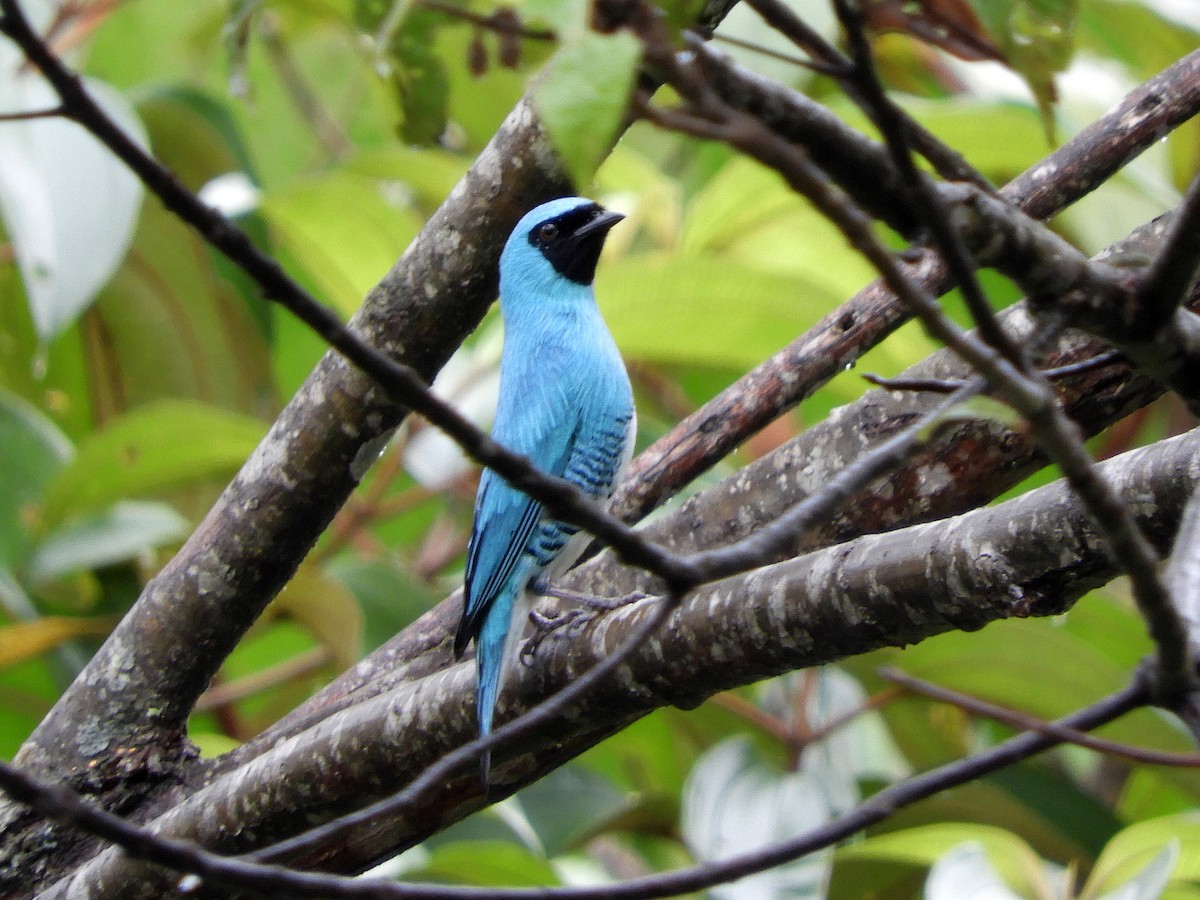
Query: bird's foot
(568, 622)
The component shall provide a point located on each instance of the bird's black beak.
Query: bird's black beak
(598, 224)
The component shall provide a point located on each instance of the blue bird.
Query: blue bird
(565, 402)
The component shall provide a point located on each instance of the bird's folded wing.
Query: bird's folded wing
(504, 522)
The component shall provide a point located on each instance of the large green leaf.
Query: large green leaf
(154, 449)
(559, 826)
(343, 229)
(326, 609)
(388, 595)
(429, 172)
(584, 96)
(971, 125)
(704, 311)
(486, 864)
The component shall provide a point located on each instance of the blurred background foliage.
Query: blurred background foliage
(330, 129)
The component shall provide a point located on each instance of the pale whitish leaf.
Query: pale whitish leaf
(470, 382)
(68, 204)
(1150, 882)
(124, 531)
(965, 873)
(860, 749)
(735, 802)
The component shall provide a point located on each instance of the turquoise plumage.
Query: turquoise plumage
(565, 402)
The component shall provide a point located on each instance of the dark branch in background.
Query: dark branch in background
(897, 133)
(138, 843)
(947, 161)
(797, 371)
(941, 386)
(53, 112)
(1172, 273)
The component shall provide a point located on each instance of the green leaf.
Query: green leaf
(388, 595)
(430, 173)
(1011, 662)
(124, 531)
(583, 98)
(704, 311)
(326, 609)
(33, 450)
(1150, 882)
(154, 449)
(344, 230)
(970, 125)
(168, 325)
(193, 134)
(486, 864)
(559, 826)
(405, 39)
(1136, 847)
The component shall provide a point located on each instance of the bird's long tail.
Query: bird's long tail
(488, 664)
(490, 657)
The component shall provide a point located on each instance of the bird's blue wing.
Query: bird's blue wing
(505, 519)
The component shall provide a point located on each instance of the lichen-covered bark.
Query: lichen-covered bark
(1034, 555)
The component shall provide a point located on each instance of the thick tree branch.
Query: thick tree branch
(878, 590)
(953, 472)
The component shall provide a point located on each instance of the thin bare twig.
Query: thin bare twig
(946, 386)
(53, 112)
(1025, 722)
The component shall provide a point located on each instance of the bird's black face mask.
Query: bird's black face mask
(572, 242)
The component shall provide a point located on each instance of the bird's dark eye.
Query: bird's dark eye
(548, 231)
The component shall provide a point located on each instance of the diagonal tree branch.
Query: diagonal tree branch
(878, 590)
